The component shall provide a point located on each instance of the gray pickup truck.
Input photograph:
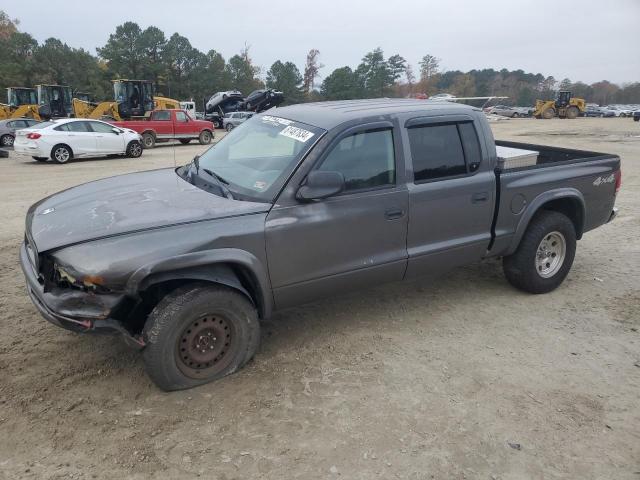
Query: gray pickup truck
(321, 199)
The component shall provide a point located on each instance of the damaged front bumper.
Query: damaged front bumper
(75, 310)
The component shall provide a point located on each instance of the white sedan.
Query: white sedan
(62, 140)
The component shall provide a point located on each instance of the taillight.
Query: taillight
(618, 175)
(33, 136)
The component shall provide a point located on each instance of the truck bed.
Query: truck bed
(586, 177)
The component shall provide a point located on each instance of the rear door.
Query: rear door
(162, 123)
(351, 240)
(107, 140)
(80, 137)
(451, 194)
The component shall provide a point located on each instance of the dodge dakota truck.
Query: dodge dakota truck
(321, 199)
(165, 125)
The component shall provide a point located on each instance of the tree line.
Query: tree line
(183, 72)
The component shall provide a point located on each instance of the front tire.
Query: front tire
(205, 137)
(545, 254)
(197, 334)
(229, 127)
(134, 149)
(549, 113)
(572, 112)
(6, 141)
(61, 153)
(515, 115)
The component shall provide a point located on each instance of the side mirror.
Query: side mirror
(116, 130)
(321, 185)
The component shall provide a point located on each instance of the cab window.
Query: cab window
(366, 159)
(162, 115)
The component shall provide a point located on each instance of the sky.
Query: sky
(587, 40)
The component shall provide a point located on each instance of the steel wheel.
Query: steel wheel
(550, 254)
(206, 346)
(61, 154)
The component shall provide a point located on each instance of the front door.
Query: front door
(354, 239)
(107, 140)
(451, 197)
(183, 126)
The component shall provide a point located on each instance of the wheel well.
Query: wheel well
(206, 130)
(151, 132)
(150, 296)
(570, 207)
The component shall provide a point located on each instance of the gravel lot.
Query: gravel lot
(460, 378)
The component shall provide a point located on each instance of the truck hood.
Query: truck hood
(125, 204)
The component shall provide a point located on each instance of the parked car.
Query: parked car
(232, 120)
(591, 111)
(172, 124)
(65, 139)
(636, 116)
(261, 100)
(8, 129)
(507, 111)
(314, 202)
(618, 111)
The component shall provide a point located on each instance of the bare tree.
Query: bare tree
(411, 78)
(429, 66)
(311, 71)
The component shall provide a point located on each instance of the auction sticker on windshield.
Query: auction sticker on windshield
(296, 133)
(276, 120)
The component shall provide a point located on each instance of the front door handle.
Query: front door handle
(394, 213)
(480, 197)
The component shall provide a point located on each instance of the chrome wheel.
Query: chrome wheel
(136, 150)
(61, 154)
(6, 141)
(550, 254)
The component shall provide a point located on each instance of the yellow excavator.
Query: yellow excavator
(22, 102)
(132, 98)
(564, 106)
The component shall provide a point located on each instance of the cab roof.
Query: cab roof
(328, 115)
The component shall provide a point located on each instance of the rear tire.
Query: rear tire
(572, 112)
(148, 140)
(6, 141)
(185, 141)
(229, 127)
(61, 153)
(197, 334)
(134, 149)
(549, 113)
(515, 115)
(545, 254)
(205, 137)
(41, 159)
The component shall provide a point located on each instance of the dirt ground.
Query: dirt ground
(460, 378)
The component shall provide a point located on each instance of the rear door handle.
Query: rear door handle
(394, 213)
(479, 197)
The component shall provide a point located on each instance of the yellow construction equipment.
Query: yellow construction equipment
(21, 102)
(54, 101)
(564, 106)
(132, 98)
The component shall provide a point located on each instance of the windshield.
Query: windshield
(255, 158)
(22, 96)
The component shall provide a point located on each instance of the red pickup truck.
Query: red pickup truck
(165, 125)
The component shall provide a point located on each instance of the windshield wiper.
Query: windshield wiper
(221, 182)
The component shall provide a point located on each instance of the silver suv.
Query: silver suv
(233, 119)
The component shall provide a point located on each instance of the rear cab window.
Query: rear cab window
(441, 151)
(161, 115)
